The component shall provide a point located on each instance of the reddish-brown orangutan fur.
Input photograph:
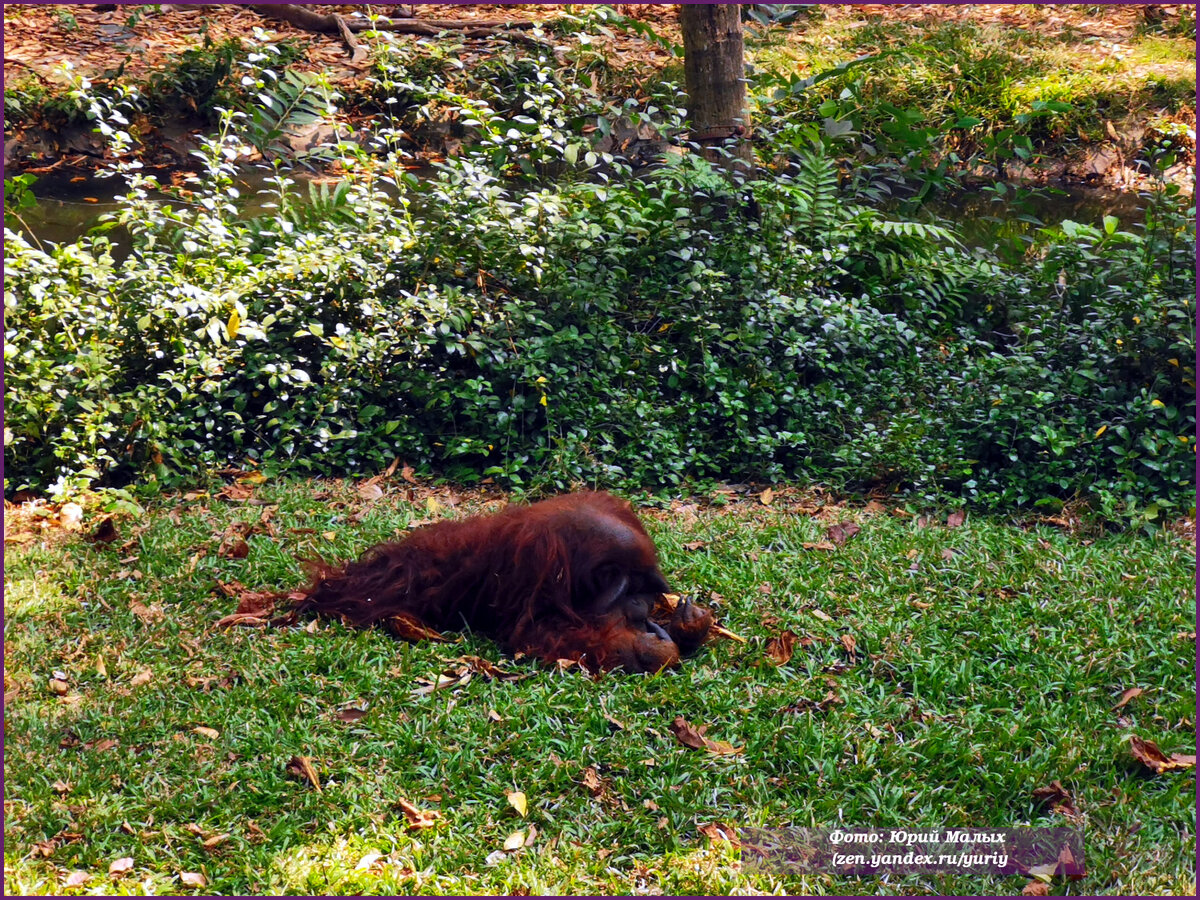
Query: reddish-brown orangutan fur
(574, 577)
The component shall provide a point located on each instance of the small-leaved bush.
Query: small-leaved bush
(659, 328)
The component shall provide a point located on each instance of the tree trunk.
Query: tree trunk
(714, 72)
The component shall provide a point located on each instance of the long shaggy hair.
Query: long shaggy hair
(576, 577)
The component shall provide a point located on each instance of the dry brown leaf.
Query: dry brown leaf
(143, 677)
(695, 545)
(369, 490)
(77, 878)
(408, 628)
(842, 532)
(780, 649)
(302, 767)
(824, 617)
(153, 613)
(1148, 754)
(214, 842)
(105, 533)
(408, 474)
(61, 787)
(956, 518)
(592, 781)
(1057, 798)
(718, 832)
(58, 686)
(687, 734)
(694, 737)
(101, 746)
(349, 714)
(233, 548)
(120, 866)
(1036, 888)
(1129, 695)
(193, 879)
(766, 497)
(418, 818)
(849, 643)
(235, 492)
(819, 545)
(210, 733)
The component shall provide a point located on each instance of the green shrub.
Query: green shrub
(654, 330)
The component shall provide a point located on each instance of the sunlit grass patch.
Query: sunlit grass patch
(939, 675)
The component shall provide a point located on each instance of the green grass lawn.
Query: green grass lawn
(987, 663)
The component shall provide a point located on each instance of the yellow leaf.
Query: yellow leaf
(1101, 430)
(766, 497)
(234, 323)
(516, 799)
(543, 400)
(1157, 403)
(252, 478)
(210, 733)
(432, 506)
(1173, 362)
(514, 841)
(540, 380)
(663, 327)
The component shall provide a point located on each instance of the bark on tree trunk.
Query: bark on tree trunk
(714, 72)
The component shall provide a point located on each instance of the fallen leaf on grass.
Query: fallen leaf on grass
(105, 533)
(58, 686)
(211, 733)
(1057, 798)
(819, 545)
(1148, 754)
(233, 548)
(1036, 888)
(694, 737)
(766, 497)
(514, 841)
(153, 613)
(368, 860)
(695, 545)
(408, 628)
(302, 767)
(780, 649)
(349, 714)
(143, 677)
(61, 787)
(76, 878)
(235, 492)
(120, 866)
(1129, 695)
(718, 832)
(369, 490)
(824, 617)
(956, 519)
(516, 799)
(408, 474)
(842, 532)
(849, 643)
(592, 781)
(193, 879)
(254, 607)
(418, 818)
